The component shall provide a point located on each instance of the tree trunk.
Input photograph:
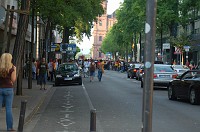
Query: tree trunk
(32, 47)
(45, 45)
(51, 54)
(20, 38)
(65, 40)
(19, 90)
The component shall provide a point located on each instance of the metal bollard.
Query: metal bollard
(22, 116)
(93, 120)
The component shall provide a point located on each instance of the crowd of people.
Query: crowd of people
(41, 71)
(89, 67)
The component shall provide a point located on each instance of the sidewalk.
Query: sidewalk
(34, 98)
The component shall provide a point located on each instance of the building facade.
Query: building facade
(101, 27)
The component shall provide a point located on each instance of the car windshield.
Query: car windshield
(163, 69)
(192, 75)
(68, 67)
(137, 65)
(178, 67)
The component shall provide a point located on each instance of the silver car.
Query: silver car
(163, 74)
(139, 72)
(180, 69)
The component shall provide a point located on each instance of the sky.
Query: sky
(86, 45)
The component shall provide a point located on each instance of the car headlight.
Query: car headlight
(58, 76)
(76, 75)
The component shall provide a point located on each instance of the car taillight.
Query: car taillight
(135, 70)
(140, 71)
(174, 76)
(154, 75)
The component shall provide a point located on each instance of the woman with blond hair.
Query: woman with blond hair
(7, 79)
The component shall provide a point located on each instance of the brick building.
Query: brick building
(101, 27)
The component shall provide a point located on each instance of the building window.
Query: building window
(100, 38)
(100, 23)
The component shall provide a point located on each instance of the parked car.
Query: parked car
(187, 86)
(131, 72)
(163, 74)
(68, 73)
(180, 69)
(140, 72)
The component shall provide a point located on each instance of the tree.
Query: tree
(130, 22)
(20, 41)
(73, 17)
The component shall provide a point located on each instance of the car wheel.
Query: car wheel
(128, 76)
(56, 83)
(141, 84)
(80, 82)
(171, 93)
(194, 97)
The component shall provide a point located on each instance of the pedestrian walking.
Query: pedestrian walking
(86, 68)
(100, 70)
(92, 70)
(34, 64)
(42, 72)
(7, 79)
(51, 70)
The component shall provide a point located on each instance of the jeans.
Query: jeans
(42, 78)
(7, 94)
(99, 74)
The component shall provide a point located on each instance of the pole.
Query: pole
(22, 116)
(150, 30)
(93, 120)
(10, 29)
(32, 46)
(5, 30)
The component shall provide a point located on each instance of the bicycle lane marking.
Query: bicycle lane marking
(98, 125)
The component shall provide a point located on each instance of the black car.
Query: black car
(68, 73)
(186, 86)
(131, 72)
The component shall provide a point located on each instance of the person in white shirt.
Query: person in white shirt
(86, 68)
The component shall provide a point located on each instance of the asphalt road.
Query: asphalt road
(118, 104)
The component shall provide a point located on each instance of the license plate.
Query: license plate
(68, 79)
(164, 76)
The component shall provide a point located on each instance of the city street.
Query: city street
(118, 104)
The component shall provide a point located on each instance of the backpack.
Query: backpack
(92, 67)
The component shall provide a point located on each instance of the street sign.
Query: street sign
(54, 46)
(177, 51)
(68, 47)
(166, 46)
(187, 48)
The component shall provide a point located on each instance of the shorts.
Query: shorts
(92, 73)
(42, 78)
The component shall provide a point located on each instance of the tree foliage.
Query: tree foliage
(130, 22)
(78, 15)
